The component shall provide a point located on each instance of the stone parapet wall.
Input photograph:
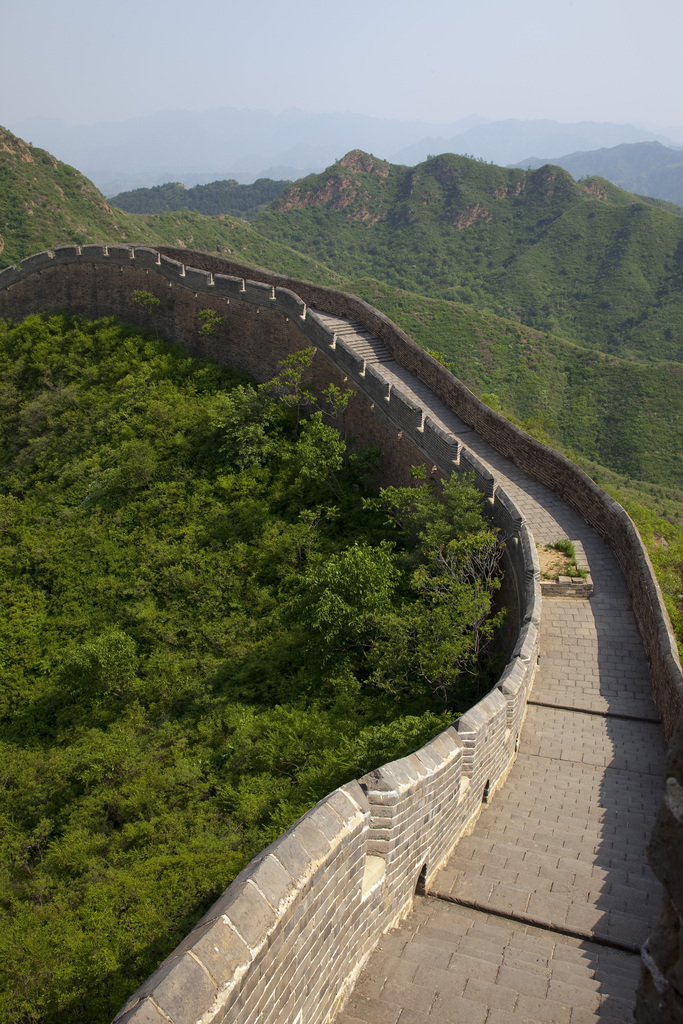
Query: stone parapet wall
(278, 943)
(660, 993)
(581, 493)
(288, 937)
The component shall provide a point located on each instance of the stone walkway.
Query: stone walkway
(538, 914)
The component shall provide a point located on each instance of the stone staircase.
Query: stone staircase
(358, 338)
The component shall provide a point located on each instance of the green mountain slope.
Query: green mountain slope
(582, 259)
(196, 645)
(619, 413)
(215, 198)
(642, 167)
(625, 415)
(45, 203)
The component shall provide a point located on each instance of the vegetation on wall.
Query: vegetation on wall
(209, 624)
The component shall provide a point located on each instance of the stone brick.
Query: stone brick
(248, 911)
(37, 262)
(182, 989)
(144, 1012)
(311, 838)
(274, 882)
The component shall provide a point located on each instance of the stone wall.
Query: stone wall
(596, 507)
(286, 940)
(289, 935)
(660, 993)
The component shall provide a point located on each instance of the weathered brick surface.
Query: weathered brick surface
(448, 963)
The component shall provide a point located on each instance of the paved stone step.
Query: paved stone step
(345, 326)
(339, 322)
(375, 354)
(351, 334)
(359, 338)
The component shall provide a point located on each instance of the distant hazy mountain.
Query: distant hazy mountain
(199, 147)
(500, 141)
(646, 168)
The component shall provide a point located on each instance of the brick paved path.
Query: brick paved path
(557, 860)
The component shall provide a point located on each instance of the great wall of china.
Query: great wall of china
(538, 912)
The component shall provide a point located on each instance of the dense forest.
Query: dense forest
(215, 198)
(211, 620)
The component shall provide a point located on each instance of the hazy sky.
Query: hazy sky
(436, 60)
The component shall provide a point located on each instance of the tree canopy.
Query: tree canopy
(210, 623)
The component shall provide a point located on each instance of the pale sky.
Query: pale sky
(600, 60)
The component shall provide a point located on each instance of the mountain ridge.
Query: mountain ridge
(560, 388)
(45, 203)
(212, 199)
(227, 142)
(581, 259)
(644, 168)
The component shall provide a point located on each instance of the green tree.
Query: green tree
(146, 300)
(103, 667)
(288, 385)
(344, 599)
(318, 456)
(149, 302)
(211, 322)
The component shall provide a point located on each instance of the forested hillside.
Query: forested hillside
(215, 198)
(208, 624)
(581, 259)
(45, 203)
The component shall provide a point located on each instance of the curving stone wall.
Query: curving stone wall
(288, 937)
(544, 464)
